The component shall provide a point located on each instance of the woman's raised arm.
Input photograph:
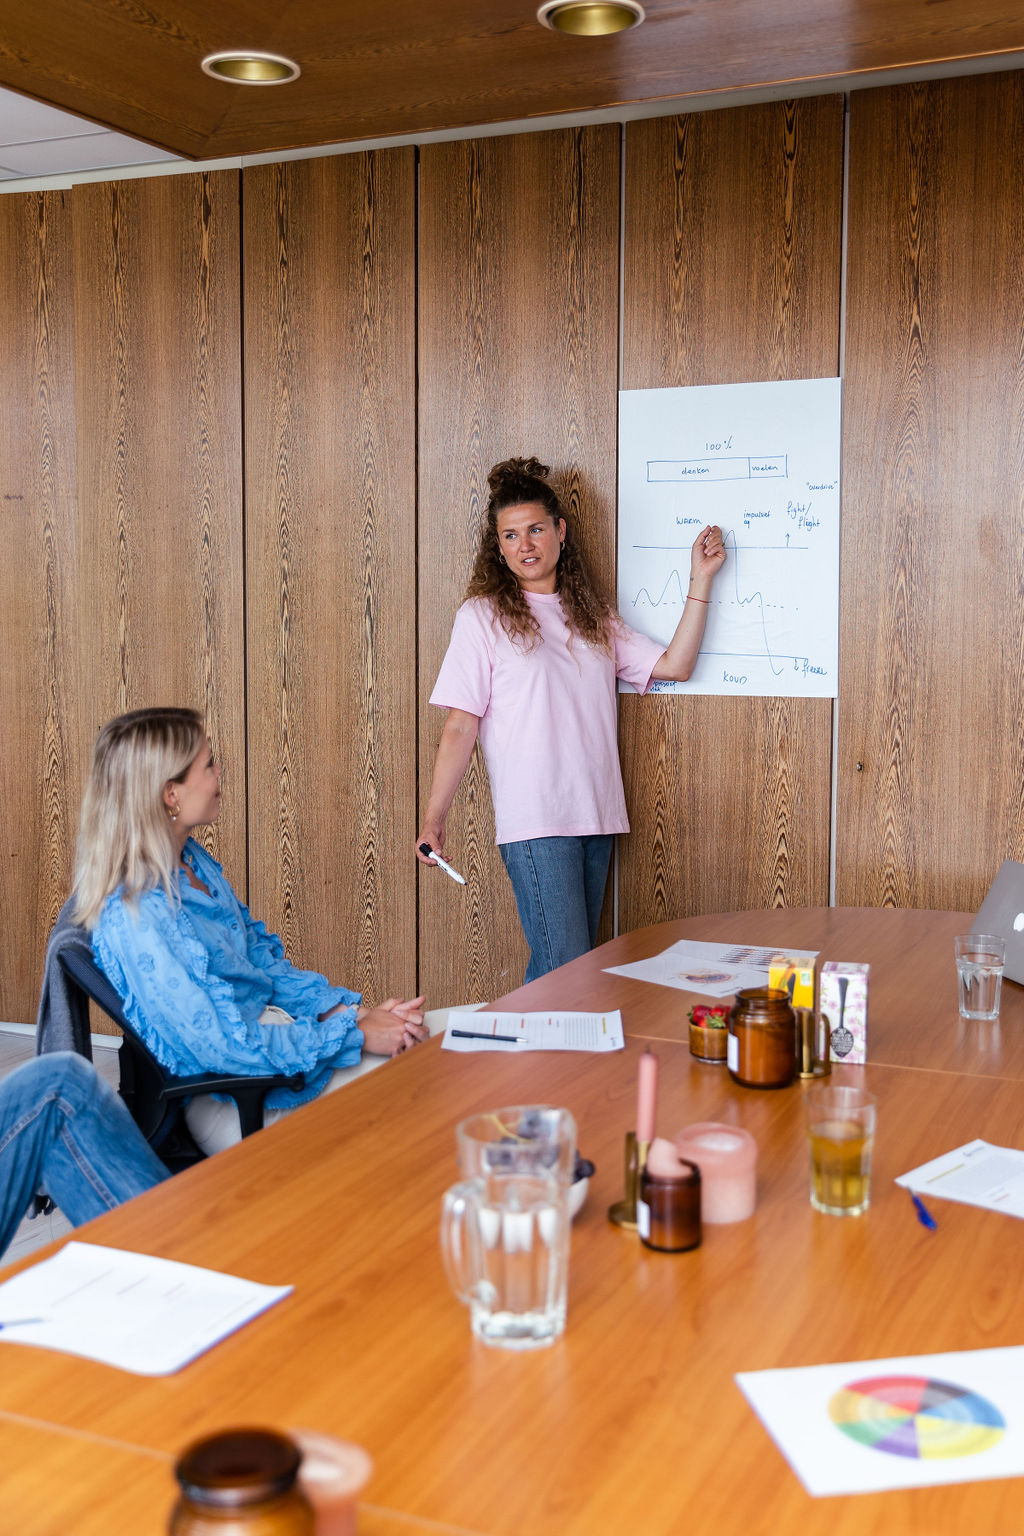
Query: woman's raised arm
(706, 559)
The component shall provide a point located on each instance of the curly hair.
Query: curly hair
(588, 613)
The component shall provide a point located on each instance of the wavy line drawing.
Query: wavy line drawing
(674, 579)
(755, 597)
(656, 602)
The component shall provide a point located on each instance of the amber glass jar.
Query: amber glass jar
(241, 1483)
(668, 1210)
(762, 1038)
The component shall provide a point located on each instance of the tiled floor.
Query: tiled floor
(18, 1044)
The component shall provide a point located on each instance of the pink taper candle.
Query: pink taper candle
(646, 1096)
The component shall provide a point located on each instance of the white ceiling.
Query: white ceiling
(36, 140)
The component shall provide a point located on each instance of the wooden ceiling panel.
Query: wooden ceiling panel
(410, 67)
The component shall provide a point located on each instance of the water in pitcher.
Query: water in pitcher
(519, 1297)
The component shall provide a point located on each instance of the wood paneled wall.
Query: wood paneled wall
(39, 585)
(732, 272)
(308, 616)
(518, 356)
(331, 559)
(159, 463)
(931, 715)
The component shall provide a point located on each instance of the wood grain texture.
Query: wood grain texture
(159, 464)
(46, 1471)
(932, 636)
(407, 68)
(732, 249)
(57, 1479)
(371, 1345)
(518, 303)
(39, 587)
(331, 581)
(913, 1006)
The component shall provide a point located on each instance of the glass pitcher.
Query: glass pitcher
(505, 1228)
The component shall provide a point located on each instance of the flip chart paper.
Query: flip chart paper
(762, 461)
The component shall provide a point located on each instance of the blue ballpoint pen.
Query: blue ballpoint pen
(924, 1215)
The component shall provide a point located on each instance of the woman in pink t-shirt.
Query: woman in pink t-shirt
(531, 668)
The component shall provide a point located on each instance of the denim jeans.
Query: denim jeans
(559, 887)
(64, 1130)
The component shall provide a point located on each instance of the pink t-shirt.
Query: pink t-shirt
(547, 718)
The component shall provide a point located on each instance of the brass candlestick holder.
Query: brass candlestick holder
(623, 1212)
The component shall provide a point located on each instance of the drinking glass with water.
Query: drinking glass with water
(979, 969)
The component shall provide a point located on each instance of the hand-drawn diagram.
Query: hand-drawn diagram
(762, 461)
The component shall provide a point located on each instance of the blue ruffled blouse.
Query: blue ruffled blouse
(194, 978)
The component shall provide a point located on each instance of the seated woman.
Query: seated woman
(206, 987)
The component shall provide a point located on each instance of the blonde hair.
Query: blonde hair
(124, 836)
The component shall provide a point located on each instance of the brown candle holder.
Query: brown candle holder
(623, 1212)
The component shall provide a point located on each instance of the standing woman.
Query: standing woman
(532, 664)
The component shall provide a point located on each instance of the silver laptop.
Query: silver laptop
(1002, 912)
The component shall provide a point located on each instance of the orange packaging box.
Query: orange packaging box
(785, 971)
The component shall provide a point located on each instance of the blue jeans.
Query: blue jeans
(559, 889)
(64, 1130)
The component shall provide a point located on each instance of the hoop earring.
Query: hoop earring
(502, 560)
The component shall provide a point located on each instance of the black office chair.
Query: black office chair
(153, 1095)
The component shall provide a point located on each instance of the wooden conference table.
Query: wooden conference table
(633, 1422)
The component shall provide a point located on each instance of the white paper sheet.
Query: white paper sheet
(865, 1426)
(762, 461)
(534, 1032)
(713, 970)
(150, 1316)
(977, 1173)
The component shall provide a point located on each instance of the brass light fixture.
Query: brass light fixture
(244, 66)
(590, 18)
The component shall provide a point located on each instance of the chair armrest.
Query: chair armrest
(217, 1082)
(248, 1093)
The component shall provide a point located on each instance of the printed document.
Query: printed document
(977, 1173)
(534, 1032)
(146, 1315)
(713, 970)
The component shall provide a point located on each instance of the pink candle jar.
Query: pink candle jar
(727, 1158)
(332, 1475)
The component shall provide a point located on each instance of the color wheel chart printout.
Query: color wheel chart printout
(762, 461)
(870, 1425)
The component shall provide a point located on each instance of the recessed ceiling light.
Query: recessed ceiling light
(245, 67)
(590, 18)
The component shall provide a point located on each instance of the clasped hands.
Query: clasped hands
(393, 1026)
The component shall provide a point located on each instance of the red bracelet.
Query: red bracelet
(705, 600)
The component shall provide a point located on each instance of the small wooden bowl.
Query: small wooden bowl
(708, 1044)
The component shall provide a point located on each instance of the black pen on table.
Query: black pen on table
(479, 1034)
